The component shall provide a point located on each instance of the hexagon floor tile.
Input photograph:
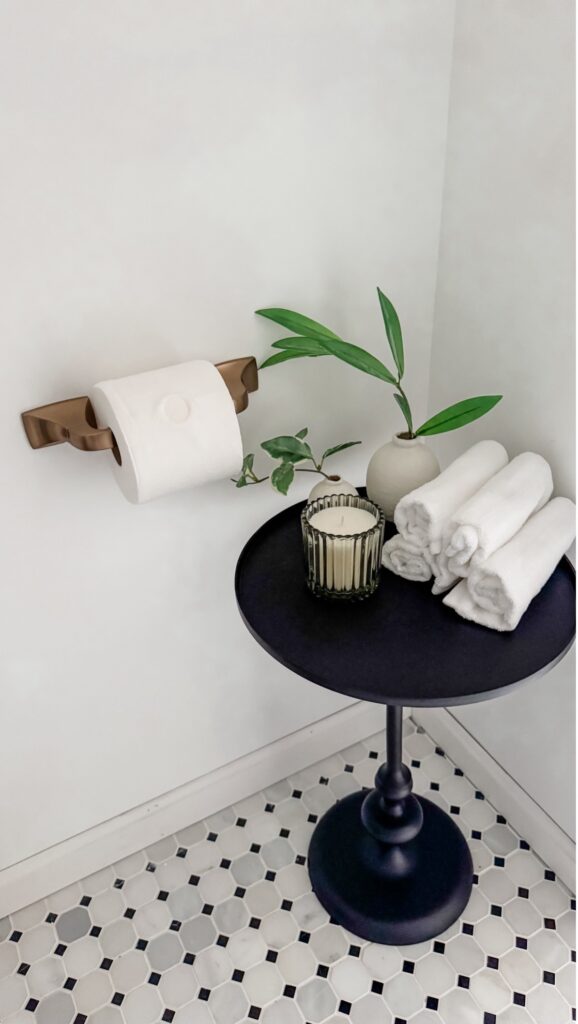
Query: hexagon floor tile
(218, 925)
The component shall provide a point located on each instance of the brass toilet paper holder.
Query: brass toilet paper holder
(73, 419)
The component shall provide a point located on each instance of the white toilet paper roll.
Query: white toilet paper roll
(175, 428)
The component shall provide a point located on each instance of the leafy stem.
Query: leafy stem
(289, 449)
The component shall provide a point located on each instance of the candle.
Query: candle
(343, 536)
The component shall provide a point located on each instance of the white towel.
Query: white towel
(406, 559)
(498, 591)
(421, 515)
(490, 518)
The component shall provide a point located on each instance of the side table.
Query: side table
(390, 866)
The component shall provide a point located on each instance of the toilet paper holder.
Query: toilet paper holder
(73, 419)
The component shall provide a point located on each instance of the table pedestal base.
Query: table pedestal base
(357, 878)
(387, 865)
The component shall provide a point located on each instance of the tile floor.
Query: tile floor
(217, 925)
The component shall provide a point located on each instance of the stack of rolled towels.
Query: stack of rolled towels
(487, 525)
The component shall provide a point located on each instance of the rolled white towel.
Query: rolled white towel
(498, 591)
(421, 515)
(406, 559)
(490, 518)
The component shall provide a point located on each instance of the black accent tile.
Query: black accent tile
(70, 983)
(479, 795)
(489, 1018)
(204, 994)
(458, 771)
(129, 912)
(151, 867)
(549, 876)
(222, 940)
(500, 819)
(225, 863)
(240, 892)
(154, 978)
(16, 936)
(573, 955)
(499, 862)
(377, 987)
(168, 1015)
(408, 967)
(207, 909)
(270, 876)
(272, 955)
(519, 999)
(117, 998)
(373, 755)
(286, 904)
(323, 781)
(118, 883)
(439, 947)
(241, 822)
(354, 951)
(440, 752)
(550, 923)
(212, 837)
(289, 991)
(454, 809)
(493, 962)
(85, 902)
(297, 794)
(431, 1003)
(163, 895)
(435, 786)
(31, 1005)
(415, 763)
(106, 964)
(175, 926)
(80, 1018)
(238, 975)
(344, 1007)
(495, 910)
(284, 833)
(269, 808)
(300, 859)
(255, 922)
(254, 1012)
(467, 929)
(189, 958)
(23, 969)
(255, 848)
(181, 852)
(475, 879)
(348, 768)
(476, 834)
(304, 936)
(521, 942)
(142, 944)
(322, 971)
(463, 982)
(61, 949)
(549, 978)
(524, 845)
(523, 893)
(194, 879)
(51, 918)
(312, 818)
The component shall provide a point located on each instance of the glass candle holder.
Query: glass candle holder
(342, 541)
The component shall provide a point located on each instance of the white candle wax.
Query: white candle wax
(341, 555)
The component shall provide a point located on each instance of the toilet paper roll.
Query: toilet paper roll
(175, 428)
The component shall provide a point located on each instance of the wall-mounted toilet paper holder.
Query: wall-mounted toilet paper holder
(73, 419)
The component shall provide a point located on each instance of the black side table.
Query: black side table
(387, 865)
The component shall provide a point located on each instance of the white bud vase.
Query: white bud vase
(397, 468)
(331, 485)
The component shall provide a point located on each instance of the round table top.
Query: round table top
(399, 646)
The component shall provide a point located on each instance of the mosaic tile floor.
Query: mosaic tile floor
(218, 925)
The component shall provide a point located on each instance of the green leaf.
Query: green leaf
(287, 447)
(297, 322)
(358, 357)
(282, 477)
(282, 357)
(302, 433)
(393, 330)
(248, 463)
(338, 448)
(309, 346)
(404, 406)
(459, 415)
(241, 482)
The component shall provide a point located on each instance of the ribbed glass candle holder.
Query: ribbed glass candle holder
(342, 541)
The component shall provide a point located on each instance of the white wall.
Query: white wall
(166, 169)
(504, 317)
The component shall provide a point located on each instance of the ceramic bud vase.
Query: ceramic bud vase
(397, 468)
(332, 485)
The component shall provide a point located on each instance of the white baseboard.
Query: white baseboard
(545, 837)
(47, 872)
